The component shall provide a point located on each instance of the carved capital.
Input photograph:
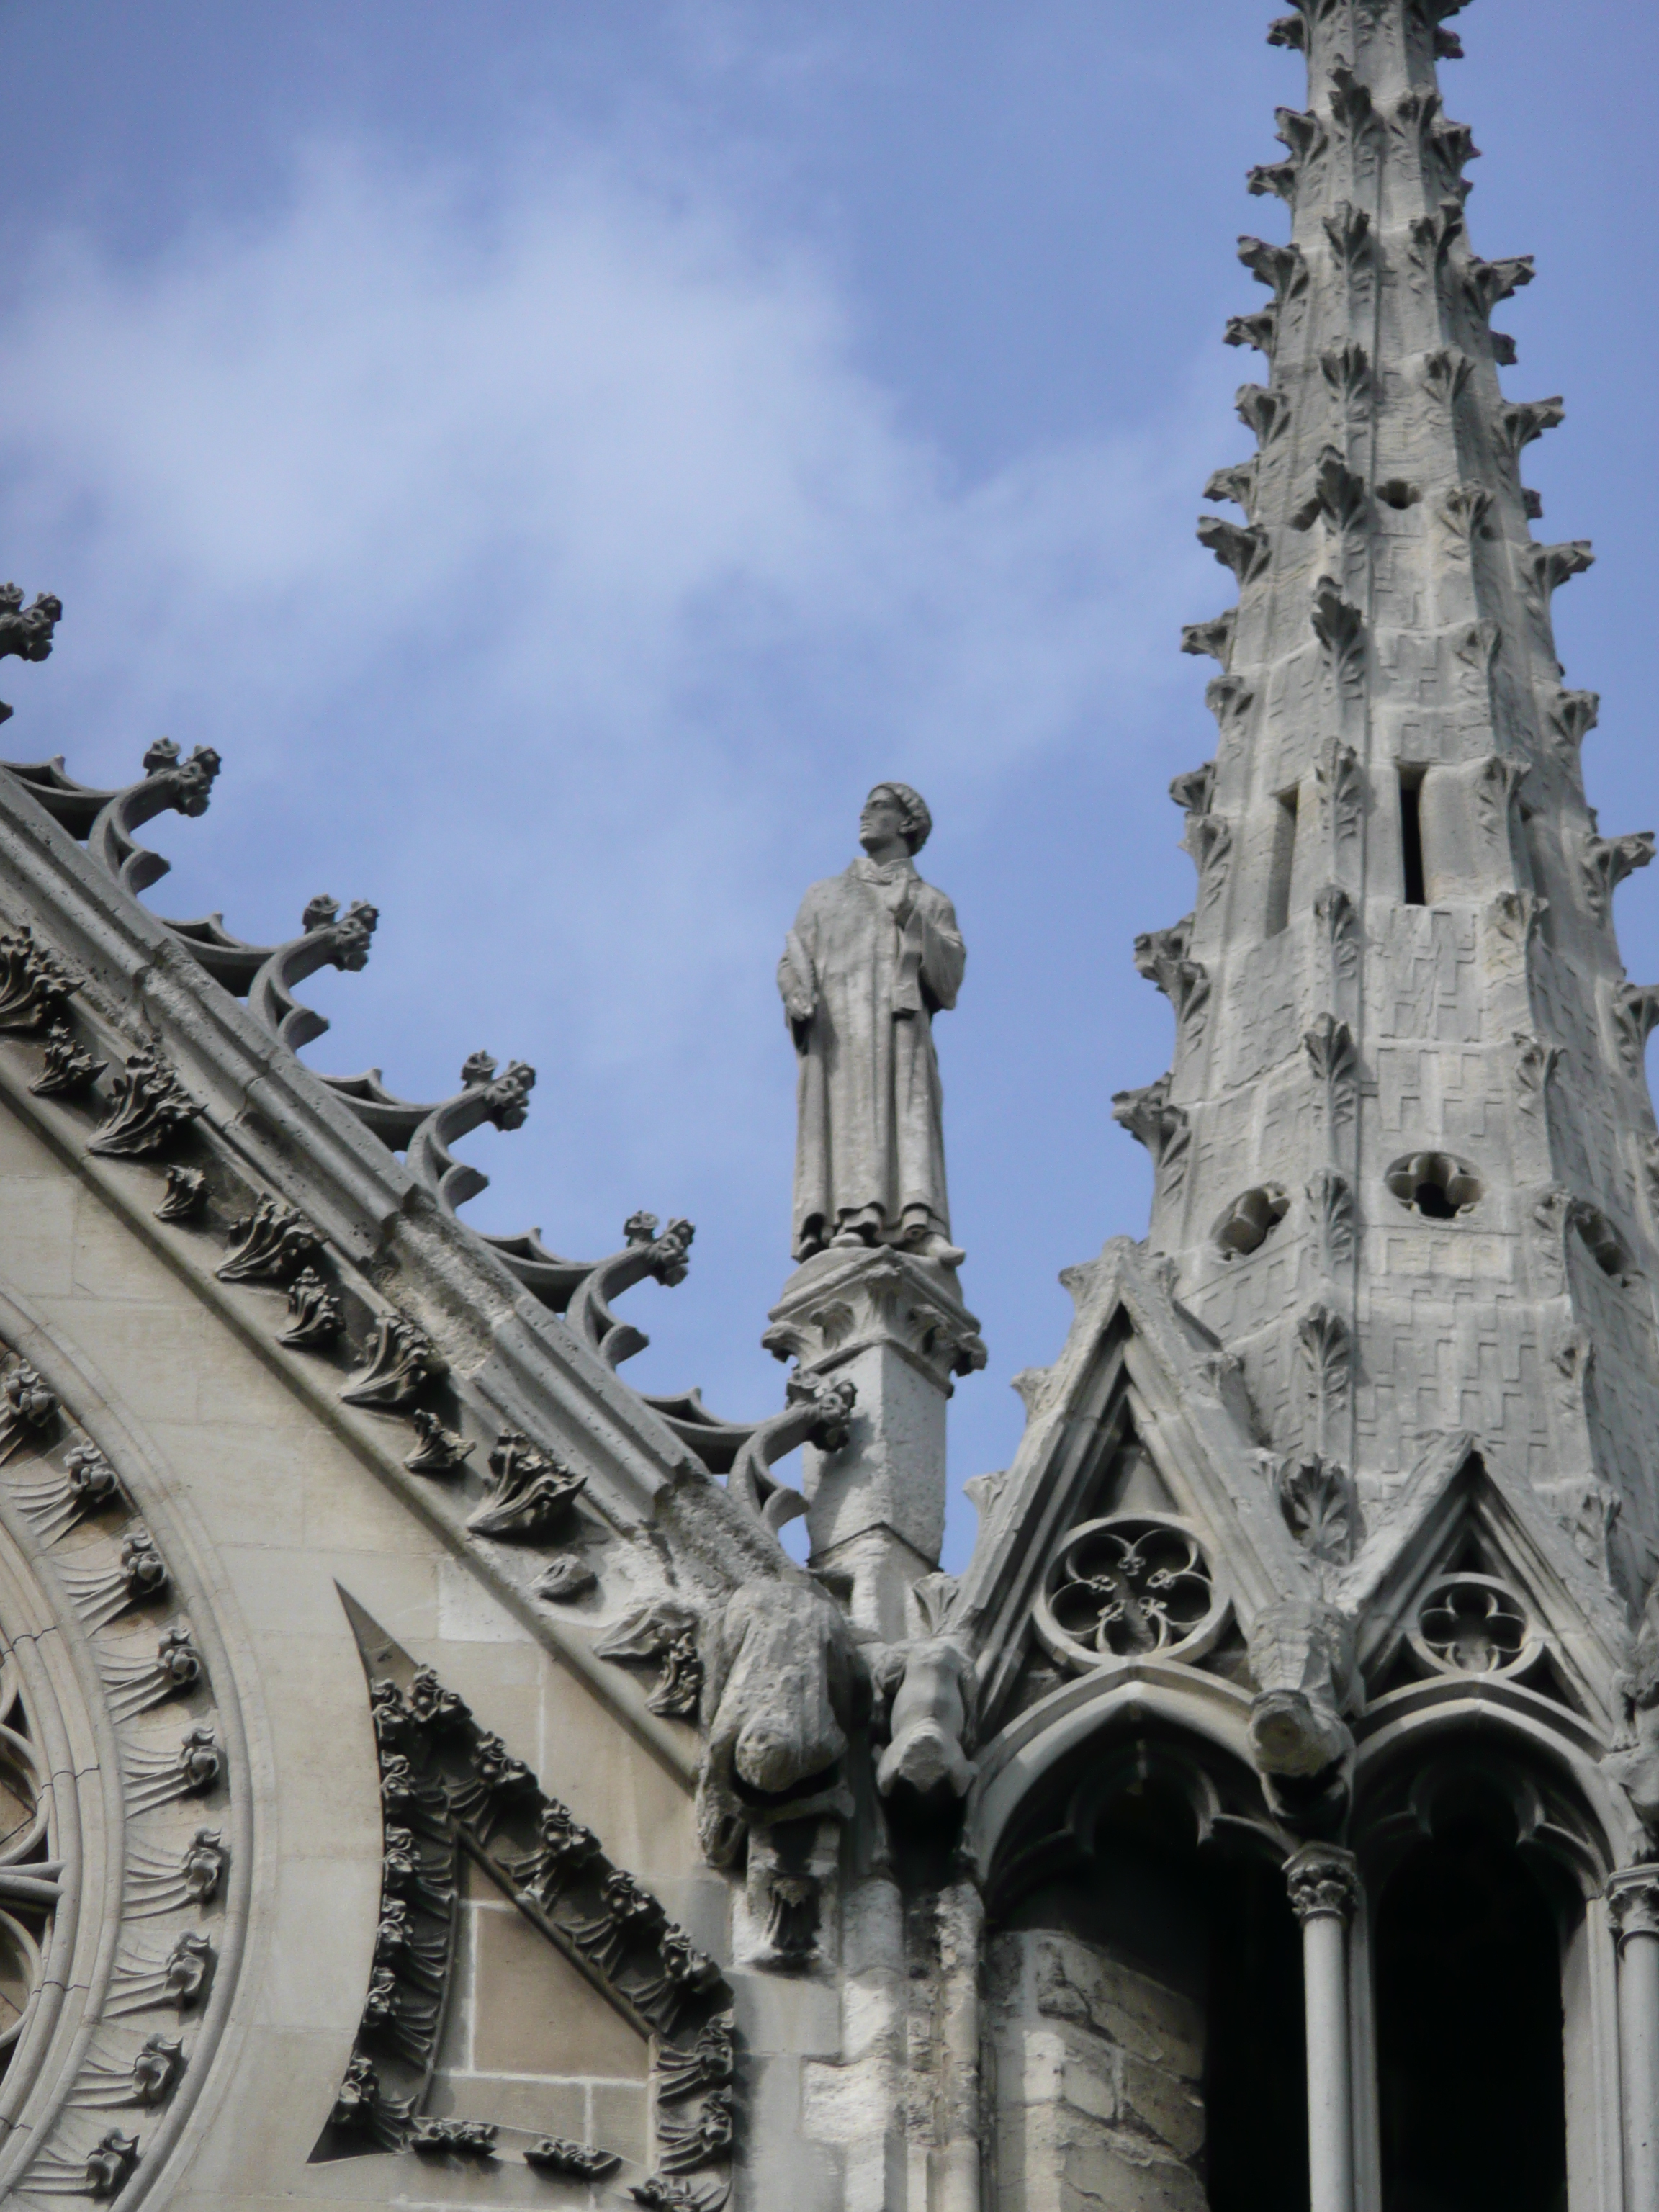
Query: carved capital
(1324, 1882)
(1633, 1901)
(842, 1304)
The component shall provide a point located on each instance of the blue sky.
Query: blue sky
(561, 455)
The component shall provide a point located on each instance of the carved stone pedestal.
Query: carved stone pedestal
(896, 1326)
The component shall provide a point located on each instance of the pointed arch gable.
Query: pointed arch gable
(1135, 1363)
(1459, 1497)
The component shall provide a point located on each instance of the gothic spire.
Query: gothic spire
(1406, 1160)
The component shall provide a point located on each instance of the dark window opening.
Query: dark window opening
(1281, 866)
(1213, 1926)
(1411, 839)
(1435, 1184)
(1470, 2066)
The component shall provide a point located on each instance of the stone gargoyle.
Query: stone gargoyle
(1301, 1656)
(928, 1689)
(784, 1688)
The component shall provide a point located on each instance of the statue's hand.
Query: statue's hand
(799, 1009)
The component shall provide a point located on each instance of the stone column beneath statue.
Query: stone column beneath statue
(895, 1326)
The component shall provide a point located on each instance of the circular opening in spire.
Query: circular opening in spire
(1434, 1185)
(1250, 1220)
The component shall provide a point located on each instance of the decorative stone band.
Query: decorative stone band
(449, 1785)
(1324, 1882)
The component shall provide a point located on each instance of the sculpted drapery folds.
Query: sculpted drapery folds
(875, 952)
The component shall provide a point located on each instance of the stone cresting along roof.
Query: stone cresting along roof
(1406, 1164)
(266, 976)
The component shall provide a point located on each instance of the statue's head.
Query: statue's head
(893, 810)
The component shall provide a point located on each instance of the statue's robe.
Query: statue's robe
(870, 1141)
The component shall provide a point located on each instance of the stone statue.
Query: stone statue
(874, 954)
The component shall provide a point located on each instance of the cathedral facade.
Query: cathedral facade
(426, 1777)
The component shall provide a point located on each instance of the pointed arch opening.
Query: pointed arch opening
(1147, 1979)
(1475, 1869)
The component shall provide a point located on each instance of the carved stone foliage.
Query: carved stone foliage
(314, 1314)
(1605, 862)
(1535, 1063)
(400, 1360)
(1335, 1060)
(1346, 369)
(1342, 791)
(1572, 717)
(1326, 1341)
(1341, 628)
(1337, 495)
(1236, 484)
(1635, 1017)
(35, 985)
(68, 1068)
(448, 1786)
(1324, 1882)
(1331, 1217)
(1338, 923)
(1316, 1497)
(1246, 550)
(1128, 1587)
(664, 1634)
(1161, 957)
(268, 1245)
(1266, 414)
(1280, 268)
(1445, 374)
(533, 1494)
(1348, 228)
(149, 1106)
(1148, 1115)
(1214, 637)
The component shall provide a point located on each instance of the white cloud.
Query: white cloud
(568, 554)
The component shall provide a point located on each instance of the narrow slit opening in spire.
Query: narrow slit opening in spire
(1410, 838)
(1281, 866)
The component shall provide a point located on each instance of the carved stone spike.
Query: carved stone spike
(1191, 791)
(1487, 283)
(1330, 1046)
(1518, 421)
(1554, 565)
(1604, 863)
(1445, 372)
(400, 1360)
(1535, 1063)
(69, 1068)
(1228, 698)
(1236, 484)
(1573, 715)
(1148, 1116)
(1214, 637)
(1340, 629)
(315, 1311)
(1209, 839)
(1280, 268)
(1260, 329)
(268, 1245)
(566, 1576)
(1333, 910)
(1331, 1210)
(1316, 1497)
(1265, 414)
(35, 985)
(1246, 550)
